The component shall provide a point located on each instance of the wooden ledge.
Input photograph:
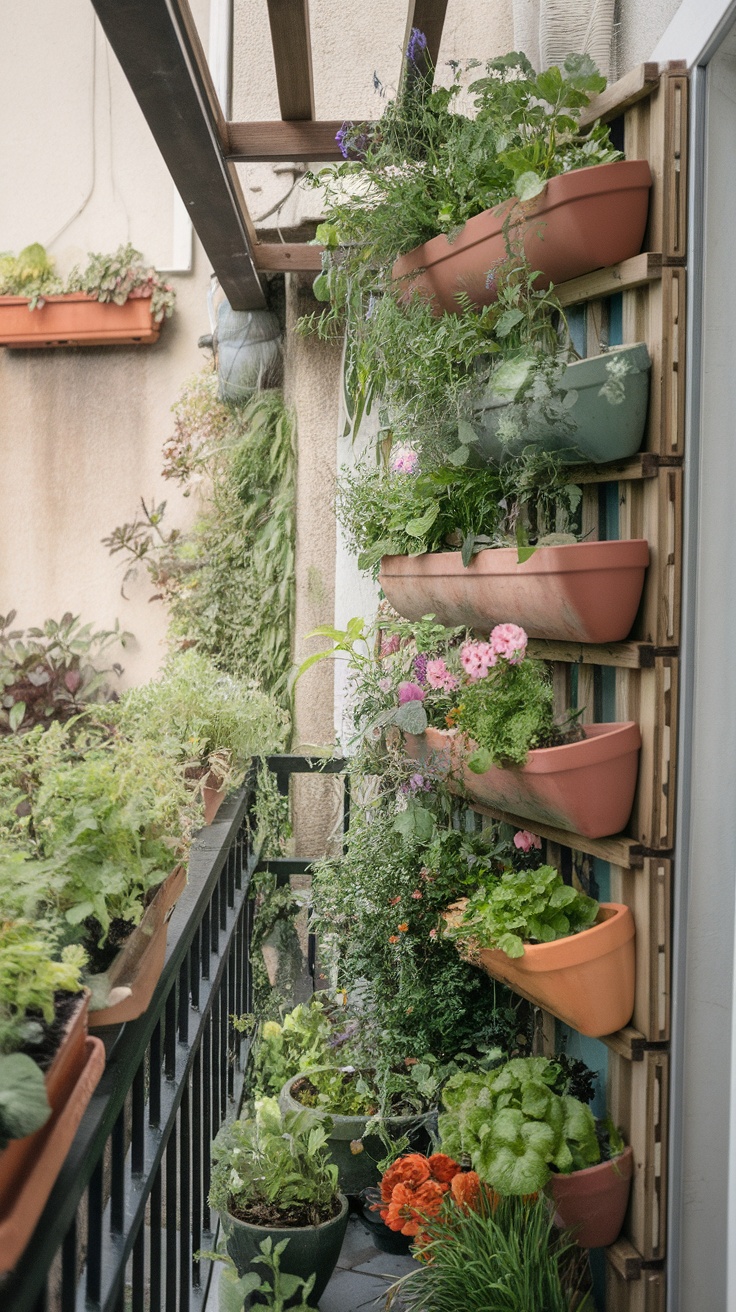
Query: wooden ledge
(621, 655)
(625, 1259)
(618, 850)
(636, 85)
(636, 272)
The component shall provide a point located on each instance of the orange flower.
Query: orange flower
(442, 1167)
(413, 1169)
(404, 926)
(393, 938)
(466, 1191)
(428, 1199)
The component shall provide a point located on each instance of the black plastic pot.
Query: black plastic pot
(311, 1250)
(388, 1241)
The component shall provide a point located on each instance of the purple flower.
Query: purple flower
(410, 692)
(420, 667)
(341, 137)
(417, 45)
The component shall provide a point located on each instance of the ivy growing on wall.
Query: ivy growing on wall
(229, 580)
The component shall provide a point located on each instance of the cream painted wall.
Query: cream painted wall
(81, 430)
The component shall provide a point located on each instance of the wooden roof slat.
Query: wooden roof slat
(277, 140)
(158, 49)
(634, 85)
(288, 257)
(292, 55)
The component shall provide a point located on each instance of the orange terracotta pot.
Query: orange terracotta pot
(135, 972)
(586, 787)
(584, 592)
(587, 980)
(593, 1202)
(29, 1166)
(584, 220)
(77, 319)
(213, 799)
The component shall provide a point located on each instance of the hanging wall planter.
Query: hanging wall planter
(583, 220)
(595, 429)
(584, 592)
(355, 1153)
(311, 1250)
(587, 979)
(586, 787)
(77, 319)
(593, 1202)
(127, 986)
(29, 1166)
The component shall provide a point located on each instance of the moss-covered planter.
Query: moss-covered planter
(355, 1153)
(594, 429)
(311, 1250)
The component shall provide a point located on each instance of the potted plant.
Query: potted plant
(442, 539)
(48, 1071)
(523, 1131)
(115, 300)
(559, 948)
(412, 1191)
(210, 721)
(272, 1179)
(359, 1135)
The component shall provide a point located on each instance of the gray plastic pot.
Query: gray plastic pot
(311, 1250)
(358, 1164)
(599, 430)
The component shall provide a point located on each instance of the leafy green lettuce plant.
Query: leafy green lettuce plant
(524, 906)
(515, 1126)
(24, 1107)
(270, 1168)
(30, 977)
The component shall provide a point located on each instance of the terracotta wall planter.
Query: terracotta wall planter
(77, 319)
(586, 787)
(593, 1202)
(312, 1249)
(213, 799)
(587, 980)
(136, 969)
(596, 430)
(359, 1170)
(584, 220)
(29, 1166)
(584, 592)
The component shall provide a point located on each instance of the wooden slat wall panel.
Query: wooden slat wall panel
(292, 56)
(652, 509)
(656, 129)
(648, 893)
(646, 1294)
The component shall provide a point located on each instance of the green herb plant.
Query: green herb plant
(30, 977)
(524, 906)
(277, 1289)
(115, 278)
(271, 1169)
(515, 1126)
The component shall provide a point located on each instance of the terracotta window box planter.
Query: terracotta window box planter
(131, 979)
(29, 1166)
(77, 319)
(587, 980)
(584, 592)
(584, 220)
(593, 1202)
(585, 787)
(599, 430)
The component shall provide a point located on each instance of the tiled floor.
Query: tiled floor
(363, 1274)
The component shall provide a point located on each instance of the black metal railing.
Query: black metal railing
(129, 1210)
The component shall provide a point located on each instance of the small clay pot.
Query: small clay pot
(311, 1250)
(592, 1203)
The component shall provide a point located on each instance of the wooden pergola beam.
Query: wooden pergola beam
(292, 56)
(288, 257)
(428, 16)
(159, 52)
(273, 140)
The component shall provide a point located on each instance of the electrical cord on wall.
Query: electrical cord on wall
(67, 223)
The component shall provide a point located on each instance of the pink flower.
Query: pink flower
(433, 933)
(509, 641)
(438, 676)
(417, 894)
(389, 646)
(410, 692)
(404, 461)
(385, 684)
(477, 658)
(525, 841)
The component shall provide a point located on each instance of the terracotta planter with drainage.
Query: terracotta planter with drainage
(584, 592)
(594, 430)
(76, 319)
(584, 220)
(29, 1166)
(587, 980)
(213, 798)
(131, 979)
(585, 787)
(311, 1250)
(593, 1202)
